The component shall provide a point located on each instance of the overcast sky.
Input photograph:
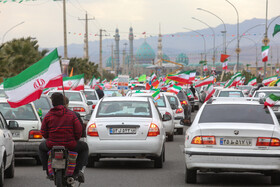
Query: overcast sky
(43, 18)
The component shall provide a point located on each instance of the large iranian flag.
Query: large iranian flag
(181, 78)
(233, 80)
(209, 92)
(252, 82)
(268, 80)
(74, 83)
(205, 81)
(29, 84)
(271, 100)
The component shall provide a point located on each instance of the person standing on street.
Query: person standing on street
(99, 92)
(193, 90)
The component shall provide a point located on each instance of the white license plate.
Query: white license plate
(122, 130)
(236, 142)
(15, 134)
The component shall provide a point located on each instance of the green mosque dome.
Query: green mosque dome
(182, 58)
(145, 54)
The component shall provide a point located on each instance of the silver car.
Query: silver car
(129, 127)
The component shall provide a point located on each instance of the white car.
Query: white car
(230, 92)
(164, 108)
(92, 96)
(178, 111)
(7, 154)
(129, 127)
(77, 102)
(233, 135)
(27, 136)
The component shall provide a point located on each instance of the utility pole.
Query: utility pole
(86, 36)
(64, 30)
(100, 51)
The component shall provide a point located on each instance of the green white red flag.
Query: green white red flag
(153, 77)
(265, 50)
(181, 77)
(73, 83)
(225, 65)
(209, 92)
(192, 76)
(252, 82)
(205, 81)
(224, 57)
(29, 84)
(233, 80)
(271, 100)
(156, 95)
(268, 80)
(92, 82)
(175, 89)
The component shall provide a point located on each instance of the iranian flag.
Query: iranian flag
(175, 89)
(205, 81)
(148, 86)
(224, 57)
(153, 77)
(192, 76)
(225, 65)
(271, 100)
(73, 83)
(92, 82)
(189, 95)
(209, 92)
(181, 78)
(132, 86)
(104, 81)
(265, 50)
(268, 80)
(234, 80)
(29, 84)
(205, 68)
(252, 82)
(242, 81)
(156, 95)
(155, 84)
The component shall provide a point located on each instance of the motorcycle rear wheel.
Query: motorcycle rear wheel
(59, 178)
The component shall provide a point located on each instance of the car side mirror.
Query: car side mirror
(89, 103)
(166, 117)
(87, 117)
(14, 125)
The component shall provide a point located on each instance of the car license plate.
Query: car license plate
(236, 142)
(15, 134)
(122, 130)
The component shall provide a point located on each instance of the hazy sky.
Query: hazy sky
(43, 18)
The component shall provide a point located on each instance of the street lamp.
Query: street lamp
(213, 38)
(204, 45)
(3, 37)
(237, 49)
(224, 31)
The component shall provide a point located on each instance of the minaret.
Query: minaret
(117, 51)
(131, 63)
(159, 52)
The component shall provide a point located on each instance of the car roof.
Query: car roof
(168, 93)
(267, 90)
(234, 100)
(144, 94)
(74, 91)
(230, 89)
(125, 99)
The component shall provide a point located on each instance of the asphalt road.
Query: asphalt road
(138, 173)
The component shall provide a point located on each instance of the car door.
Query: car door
(7, 138)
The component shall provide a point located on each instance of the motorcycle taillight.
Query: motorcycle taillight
(58, 155)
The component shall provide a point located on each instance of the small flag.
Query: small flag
(71, 73)
(175, 89)
(224, 57)
(156, 95)
(205, 67)
(271, 100)
(209, 92)
(265, 50)
(225, 65)
(276, 29)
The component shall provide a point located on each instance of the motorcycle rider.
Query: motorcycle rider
(61, 127)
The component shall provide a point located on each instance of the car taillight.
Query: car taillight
(265, 141)
(92, 131)
(250, 95)
(93, 106)
(184, 102)
(153, 130)
(58, 155)
(195, 97)
(35, 134)
(79, 109)
(179, 110)
(204, 140)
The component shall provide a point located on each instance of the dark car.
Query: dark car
(184, 100)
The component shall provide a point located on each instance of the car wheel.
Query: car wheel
(10, 172)
(190, 176)
(180, 131)
(91, 162)
(158, 162)
(171, 138)
(2, 172)
(275, 179)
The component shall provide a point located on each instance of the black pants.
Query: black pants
(81, 148)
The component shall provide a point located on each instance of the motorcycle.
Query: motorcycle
(61, 166)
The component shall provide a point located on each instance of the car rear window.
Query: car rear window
(231, 94)
(24, 112)
(182, 96)
(42, 103)
(72, 96)
(124, 109)
(90, 95)
(235, 113)
(173, 100)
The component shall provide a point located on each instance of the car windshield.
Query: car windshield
(90, 95)
(112, 93)
(42, 103)
(124, 109)
(266, 93)
(235, 113)
(72, 96)
(173, 100)
(159, 102)
(24, 112)
(231, 94)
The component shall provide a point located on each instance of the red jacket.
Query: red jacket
(61, 127)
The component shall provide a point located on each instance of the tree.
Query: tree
(81, 66)
(19, 54)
